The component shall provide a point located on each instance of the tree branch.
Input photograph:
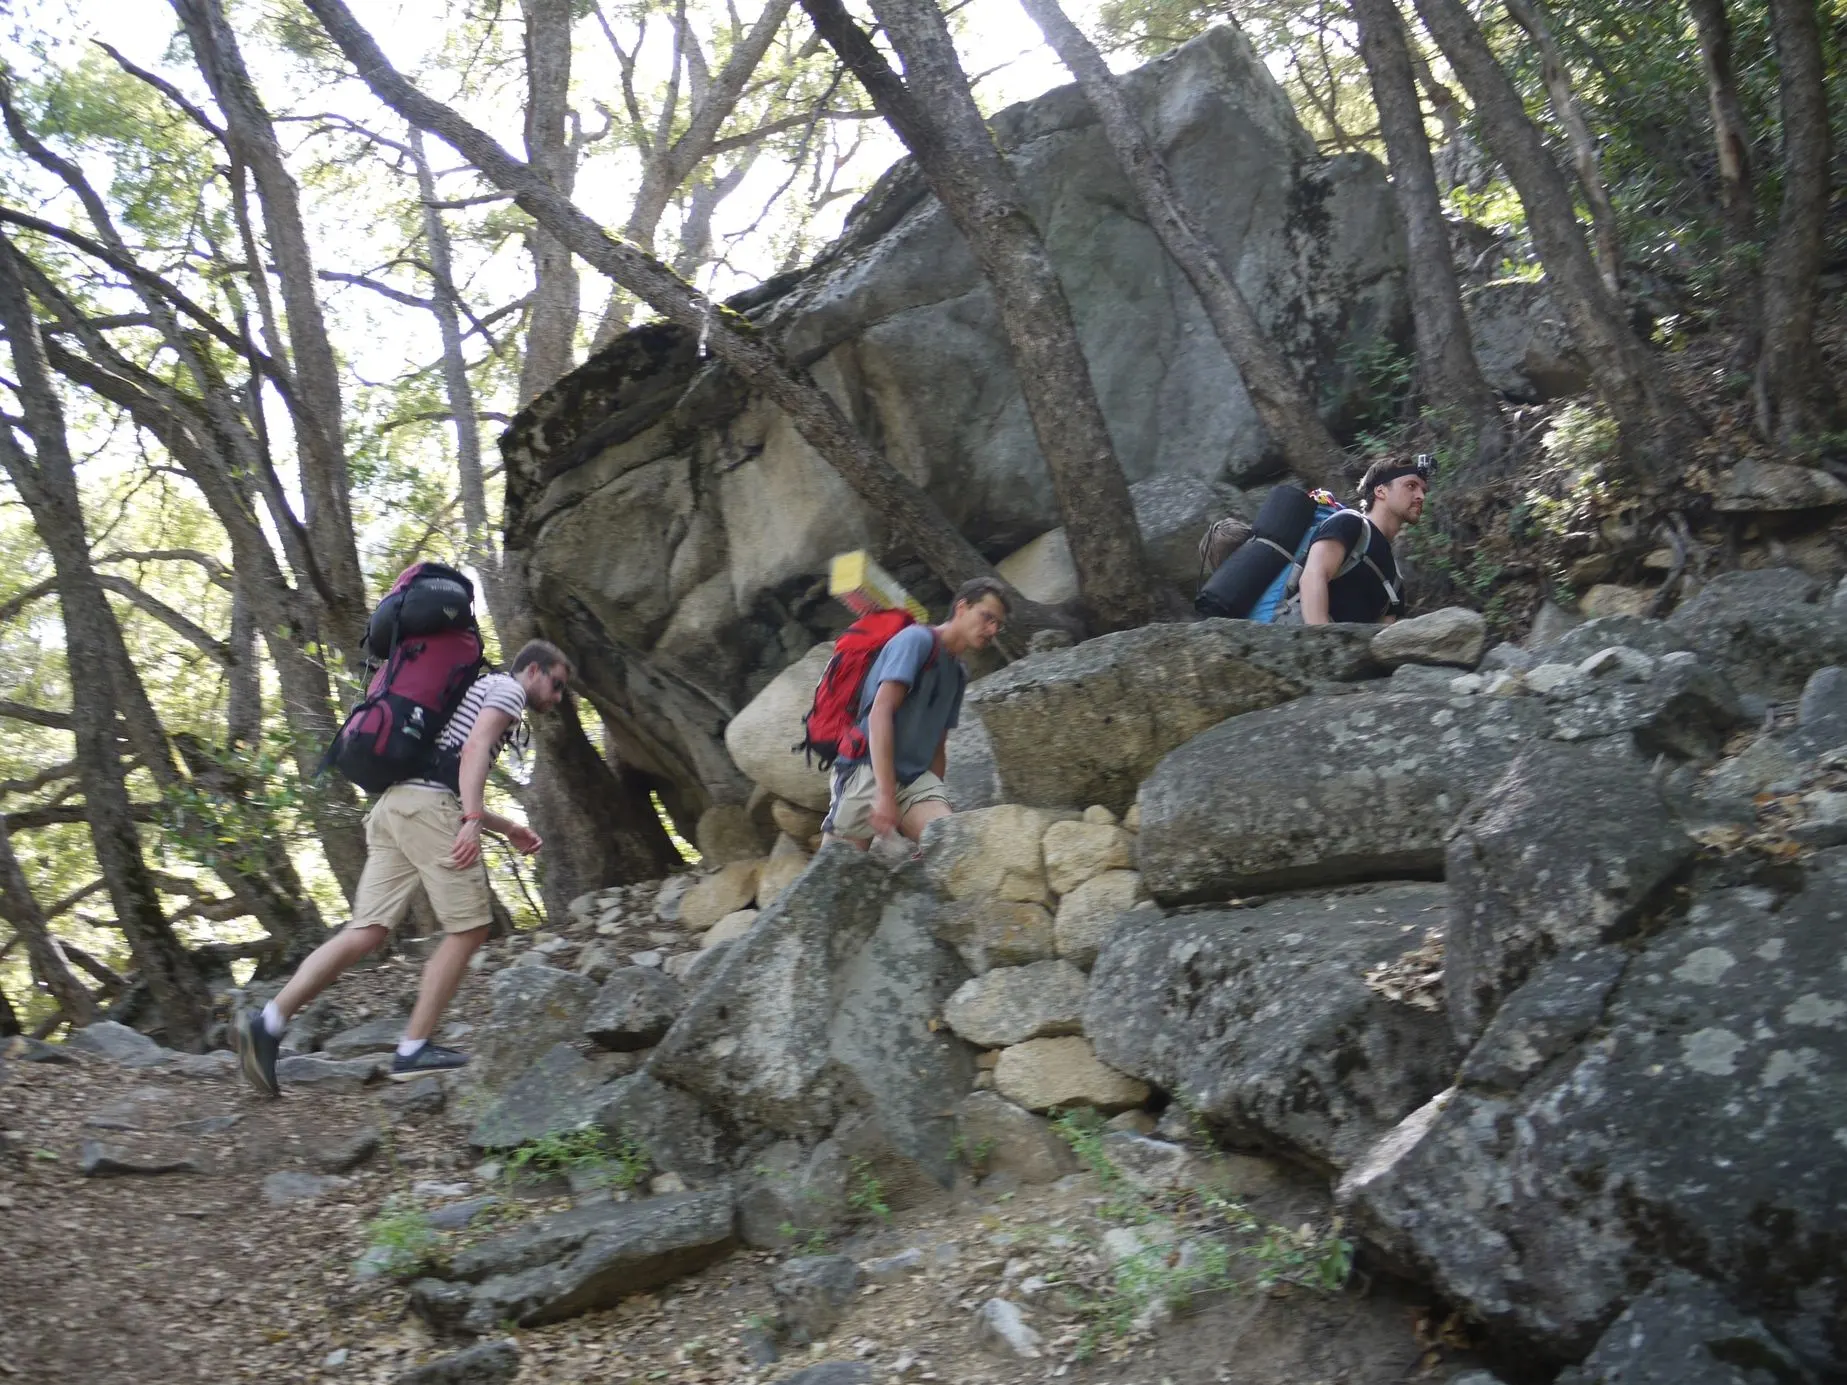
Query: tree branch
(38, 716)
(217, 650)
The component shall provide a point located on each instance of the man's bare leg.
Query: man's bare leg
(258, 1038)
(922, 815)
(322, 967)
(442, 978)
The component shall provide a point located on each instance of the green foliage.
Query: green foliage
(587, 1150)
(402, 1232)
(808, 1240)
(1082, 1128)
(866, 1193)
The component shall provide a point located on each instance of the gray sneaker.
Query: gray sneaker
(426, 1060)
(256, 1052)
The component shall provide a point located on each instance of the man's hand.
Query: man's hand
(467, 848)
(524, 839)
(884, 813)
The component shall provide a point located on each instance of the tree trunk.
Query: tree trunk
(552, 334)
(912, 515)
(1457, 396)
(9, 1018)
(325, 486)
(243, 703)
(614, 837)
(1795, 402)
(22, 910)
(1570, 114)
(47, 483)
(1731, 132)
(1278, 398)
(1655, 423)
(934, 113)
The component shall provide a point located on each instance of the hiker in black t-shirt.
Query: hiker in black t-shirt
(1349, 574)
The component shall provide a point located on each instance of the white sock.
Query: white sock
(274, 1020)
(407, 1046)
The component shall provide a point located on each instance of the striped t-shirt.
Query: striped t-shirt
(500, 691)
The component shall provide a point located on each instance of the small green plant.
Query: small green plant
(973, 1153)
(1303, 1257)
(621, 1163)
(1082, 1129)
(402, 1237)
(866, 1194)
(810, 1240)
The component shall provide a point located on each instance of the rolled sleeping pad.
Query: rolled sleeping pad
(1246, 576)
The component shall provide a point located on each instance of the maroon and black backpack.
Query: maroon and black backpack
(427, 649)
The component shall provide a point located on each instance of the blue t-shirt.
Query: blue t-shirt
(930, 708)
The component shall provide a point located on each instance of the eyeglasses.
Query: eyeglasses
(558, 681)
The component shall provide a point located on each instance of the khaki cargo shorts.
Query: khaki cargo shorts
(409, 835)
(849, 814)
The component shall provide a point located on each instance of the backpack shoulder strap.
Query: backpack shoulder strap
(1361, 552)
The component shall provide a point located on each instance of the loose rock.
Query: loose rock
(1086, 913)
(1453, 636)
(999, 1136)
(1013, 1004)
(1079, 851)
(991, 853)
(1003, 1328)
(812, 1294)
(1042, 1073)
(725, 891)
(990, 933)
(486, 1364)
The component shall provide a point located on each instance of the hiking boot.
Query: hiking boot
(256, 1052)
(426, 1060)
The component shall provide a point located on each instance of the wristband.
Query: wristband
(473, 817)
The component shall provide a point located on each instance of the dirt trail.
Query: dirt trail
(184, 1276)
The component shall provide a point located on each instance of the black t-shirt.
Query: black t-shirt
(1360, 596)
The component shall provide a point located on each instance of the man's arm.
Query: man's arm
(1324, 560)
(881, 734)
(477, 756)
(939, 763)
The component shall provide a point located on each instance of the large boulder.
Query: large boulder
(1695, 1124)
(1086, 725)
(829, 1005)
(991, 933)
(561, 1091)
(1085, 915)
(1323, 790)
(666, 1124)
(1565, 852)
(1523, 342)
(761, 736)
(533, 1007)
(635, 1007)
(1756, 487)
(1768, 630)
(1171, 511)
(1261, 1021)
(676, 528)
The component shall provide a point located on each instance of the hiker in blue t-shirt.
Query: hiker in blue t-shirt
(911, 699)
(1367, 591)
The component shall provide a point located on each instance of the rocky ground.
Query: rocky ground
(244, 1260)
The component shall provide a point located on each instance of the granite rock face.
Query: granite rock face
(1322, 790)
(1565, 852)
(673, 524)
(825, 1008)
(1261, 1021)
(1692, 1123)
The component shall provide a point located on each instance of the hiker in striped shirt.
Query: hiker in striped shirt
(425, 831)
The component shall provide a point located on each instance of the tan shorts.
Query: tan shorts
(850, 813)
(409, 835)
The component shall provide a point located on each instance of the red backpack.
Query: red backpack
(831, 728)
(424, 633)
